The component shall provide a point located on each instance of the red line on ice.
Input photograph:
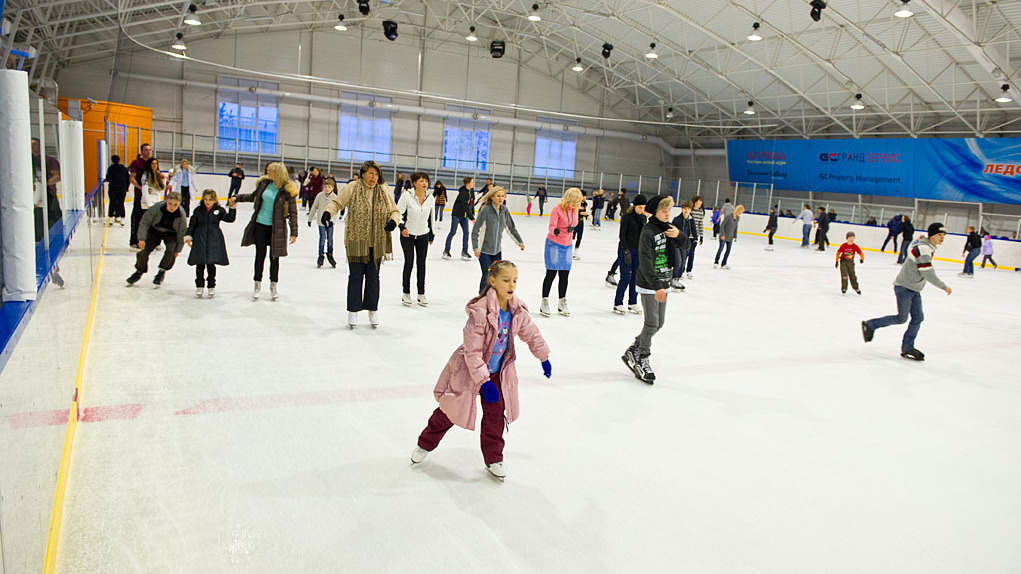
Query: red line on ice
(299, 400)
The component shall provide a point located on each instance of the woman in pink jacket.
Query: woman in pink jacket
(484, 364)
(559, 246)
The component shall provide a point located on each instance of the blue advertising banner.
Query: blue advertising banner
(979, 170)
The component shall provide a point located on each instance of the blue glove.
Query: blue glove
(547, 368)
(489, 392)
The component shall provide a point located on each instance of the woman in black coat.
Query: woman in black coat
(208, 248)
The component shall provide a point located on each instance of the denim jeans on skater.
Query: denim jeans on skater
(491, 429)
(806, 230)
(456, 221)
(326, 238)
(726, 255)
(969, 261)
(892, 236)
(485, 260)
(904, 246)
(909, 304)
(628, 278)
(691, 256)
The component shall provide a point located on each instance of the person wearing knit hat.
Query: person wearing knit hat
(611, 275)
(845, 261)
(907, 287)
(631, 224)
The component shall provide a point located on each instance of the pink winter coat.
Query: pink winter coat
(558, 218)
(468, 367)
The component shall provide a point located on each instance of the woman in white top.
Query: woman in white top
(182, 179)
(416, 207)
(153, 184)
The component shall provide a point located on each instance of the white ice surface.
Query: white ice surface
(774, 440)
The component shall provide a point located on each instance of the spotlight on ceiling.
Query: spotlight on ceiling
(1004, 97)
(339, 26)
(651, 54)
(856, 104)
(534, 16)
(471, 37)
(497, 48)
(577, 67)
(390, 30)
(817, 7)
(750, 111)
(179, 43)
(191, 18)
(754, 36)
(607, 50)
(363, 7)
(669, 113)
(904, 11)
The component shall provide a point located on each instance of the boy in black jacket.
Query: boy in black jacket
(462, 212)
(656, 261)
(689, 233)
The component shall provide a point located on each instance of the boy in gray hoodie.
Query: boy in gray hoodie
(916, 271)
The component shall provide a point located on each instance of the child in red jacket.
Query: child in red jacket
(845, 261)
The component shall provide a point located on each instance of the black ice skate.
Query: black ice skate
(913, 354)
(867, 332)
(643, 371)
(630, 358)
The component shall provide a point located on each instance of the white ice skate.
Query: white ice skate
(619, 309)
(544, 307)
(418, 455)
(374, 319)
(634, 309)
(406, 300)
(496, 469)
(562, 308)
(198, 292)
(211, 292)
(352, 319)
(273, 291)
(422, 301)
(256, 290)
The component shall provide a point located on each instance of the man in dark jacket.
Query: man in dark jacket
(542, 195)
(237, 175)
(117, 182)
(823, 222)
(165, 223)
(972, 249)
(894, 230)
(460, 214)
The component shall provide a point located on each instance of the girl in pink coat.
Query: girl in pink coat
(484, 364)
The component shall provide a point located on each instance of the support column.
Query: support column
(17, 217)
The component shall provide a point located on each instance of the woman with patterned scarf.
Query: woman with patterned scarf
(371, 216)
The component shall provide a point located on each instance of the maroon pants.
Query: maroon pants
(492, 428)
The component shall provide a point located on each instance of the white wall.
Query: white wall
(446, 69)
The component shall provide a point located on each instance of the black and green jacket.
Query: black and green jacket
(655, 259)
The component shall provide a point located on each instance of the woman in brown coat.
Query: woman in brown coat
(371, 216)
(275, 210)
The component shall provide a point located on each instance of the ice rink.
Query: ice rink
(267, 437)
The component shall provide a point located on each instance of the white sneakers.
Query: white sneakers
(256, 290)
(406, 300)
(418, 455)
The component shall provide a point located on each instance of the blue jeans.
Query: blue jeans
(806, 230)
(892, 236)
(326, 237)
(691, 256)
(969, 261)
(439, 212)
(727, 243)
(904, 246)
(485, 260)
(909, 303)
(628, 278)
(456, 221)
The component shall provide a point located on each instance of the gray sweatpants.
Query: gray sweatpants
(655, 317)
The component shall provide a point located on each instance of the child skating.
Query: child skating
(315, 214)
(845, 261)
(484, 365)
(208, 247)
(655, 267)
(987, 251)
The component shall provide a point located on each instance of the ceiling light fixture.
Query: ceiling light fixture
(390, 30)
(339, 26)
(179, 43)
(904, 11)
(754, 36)
(577, 67)
(534, 16)
(669, 113)
(651, 54)
(363, 7)
(1004, 97)
(607, 50)
(817, 7)
(497, 48)
(751, 109)
(856, 104)
(471, 37)
(191, 18)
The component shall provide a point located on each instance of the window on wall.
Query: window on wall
(245, 121)
(555, 150)
(364, 133)
(466, 142)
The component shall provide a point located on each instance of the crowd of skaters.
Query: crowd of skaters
(655, 252)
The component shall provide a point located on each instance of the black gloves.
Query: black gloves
(556, 231)
(326, 218)
(627, 257)
(310, 224)
(390, 226)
